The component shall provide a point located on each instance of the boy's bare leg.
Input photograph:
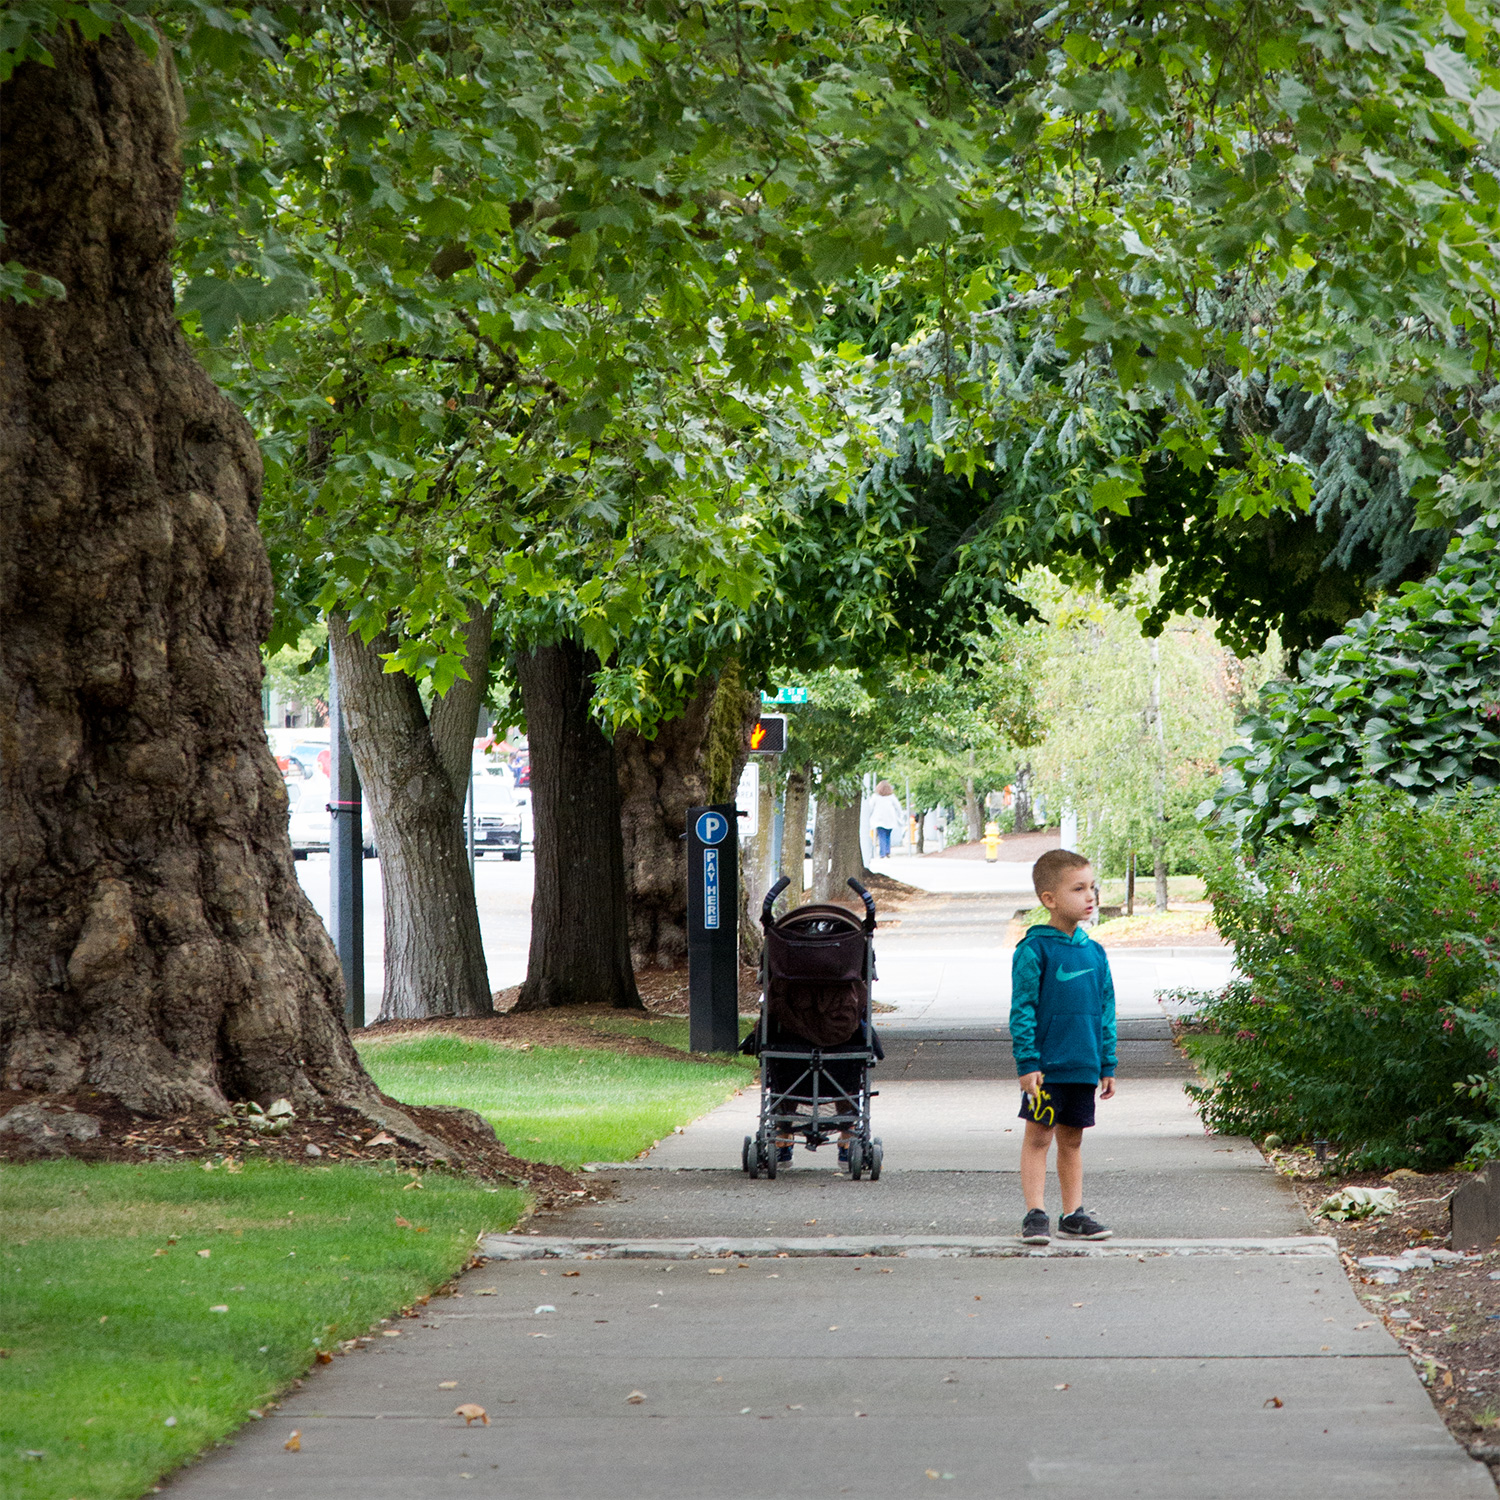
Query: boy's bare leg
(1034, 1147)
(1069, 1166)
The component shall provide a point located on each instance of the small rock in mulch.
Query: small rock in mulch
(42, 1128)
(331, 1133)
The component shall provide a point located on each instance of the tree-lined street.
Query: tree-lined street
(1078, 426)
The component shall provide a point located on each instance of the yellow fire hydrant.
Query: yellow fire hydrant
(991, 842)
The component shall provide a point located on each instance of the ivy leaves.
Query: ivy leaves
(1408, 697)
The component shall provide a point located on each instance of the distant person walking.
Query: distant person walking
(886, 813)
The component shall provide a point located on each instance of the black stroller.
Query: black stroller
(814, 1038)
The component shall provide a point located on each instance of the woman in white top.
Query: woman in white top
(886, 813)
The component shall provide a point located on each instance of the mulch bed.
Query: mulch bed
(339, 1133)
(1449, 1335)
(548, 1028)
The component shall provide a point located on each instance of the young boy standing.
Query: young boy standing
(1062, 1030)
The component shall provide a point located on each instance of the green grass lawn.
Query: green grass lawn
(557, 1104)
(119, 1367)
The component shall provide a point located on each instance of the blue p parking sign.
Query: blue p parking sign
(712, 827)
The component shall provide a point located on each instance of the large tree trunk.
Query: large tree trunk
(822, 846)
(756, 873)
(414, 768)
(848, 854)
(794, 836)
(580, 942)
(1159, 832)
(1023, 823)
(971, 805)
(157, 947)
(659, 779)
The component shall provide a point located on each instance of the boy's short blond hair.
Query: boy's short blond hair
(1052, 866)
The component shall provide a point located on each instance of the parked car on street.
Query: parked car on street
(308, 819)
(498, 815)
(309, 822)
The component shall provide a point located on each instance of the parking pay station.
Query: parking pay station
(713, 928)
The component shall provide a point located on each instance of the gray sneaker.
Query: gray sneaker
(1081, 1225)
(1036, 1228)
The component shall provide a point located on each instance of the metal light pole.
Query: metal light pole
(346, 858)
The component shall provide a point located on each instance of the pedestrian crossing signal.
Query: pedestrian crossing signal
(768, 735)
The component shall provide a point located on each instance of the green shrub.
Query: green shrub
(1371, 989)
(1409, 697)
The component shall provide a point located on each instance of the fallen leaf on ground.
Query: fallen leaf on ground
(390, 1333)
(447, 1385)
(382, 1139)
(833, 1328)
(545, 1307)
(204, 1254)
(487, 1291)
(220, 1307)
(155, 1253)
(471, 1414)
(1370, 1324)
(718, 1270)
(324, 1357)
(402, 1223)
(1273, 1401)
(1063, 1387)
(294, 1443)
(406, 1187)
(636, 1397)
(1078, 1304)
(572, 1273)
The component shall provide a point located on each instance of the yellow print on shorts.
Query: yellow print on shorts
(1040, 1108)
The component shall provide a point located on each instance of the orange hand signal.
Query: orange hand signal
(757, 736)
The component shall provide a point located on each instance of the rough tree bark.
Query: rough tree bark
(848, 853)
(580, 940)
(659, 779)
(1023, 823)
(156, 945)
(971, 805)
(1159, 827)
(822, 847)
(794, 836)
(414, 768)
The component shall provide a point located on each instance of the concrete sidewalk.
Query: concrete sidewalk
(888, 1339)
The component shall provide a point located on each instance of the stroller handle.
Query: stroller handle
(771, 895)
(867, 898)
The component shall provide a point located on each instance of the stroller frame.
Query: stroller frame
(814, 1103)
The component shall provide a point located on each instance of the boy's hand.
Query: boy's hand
(1106, 1088)
(1030, 1083)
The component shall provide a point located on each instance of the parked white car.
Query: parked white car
(308, 819)
(310, 823)
(499, 818)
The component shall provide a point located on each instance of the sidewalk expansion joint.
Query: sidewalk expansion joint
(908, 1246)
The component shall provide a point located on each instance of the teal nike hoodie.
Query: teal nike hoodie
(1062, 1007)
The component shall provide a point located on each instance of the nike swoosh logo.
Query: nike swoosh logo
(1073, 973)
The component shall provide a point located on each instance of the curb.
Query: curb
(907, 1246)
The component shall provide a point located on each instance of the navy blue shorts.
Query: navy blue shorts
(1062, 1104)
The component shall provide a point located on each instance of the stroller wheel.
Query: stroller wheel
(877, 1155)
(856, 1160)
(747, 1157)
